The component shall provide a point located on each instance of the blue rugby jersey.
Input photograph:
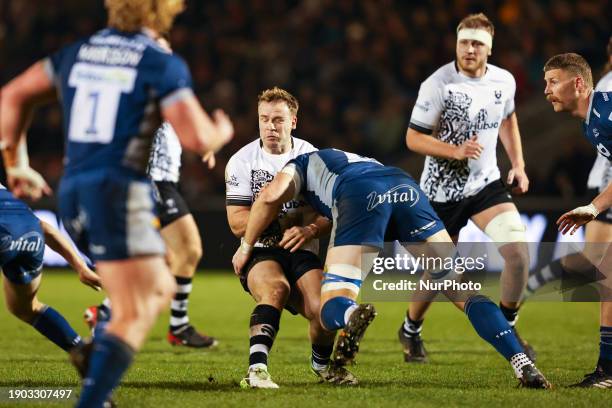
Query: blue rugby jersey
(598, 124)
(111, 86)
(320, 173)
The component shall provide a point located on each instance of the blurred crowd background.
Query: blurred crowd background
(355, 67)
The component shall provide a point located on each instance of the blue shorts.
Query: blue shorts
(22, 242)
(110, 214)
(374, 210)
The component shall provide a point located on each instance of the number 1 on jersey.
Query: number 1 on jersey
(98, 90)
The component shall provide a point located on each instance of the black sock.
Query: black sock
(178, 307)
(265, 321)
(511, 315)
(412, 327)
(321, 355)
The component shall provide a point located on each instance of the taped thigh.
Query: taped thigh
(341, 276)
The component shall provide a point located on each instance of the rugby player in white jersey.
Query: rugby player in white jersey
(284, 270)
(461, 111)
(181, 236)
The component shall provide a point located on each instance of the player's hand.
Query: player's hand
(295, 237)
(572, 220)
(470, 149)
(241, 257)
(90, 278)
(224, 125)
(25, 182)
(209, 159)
(518, 179)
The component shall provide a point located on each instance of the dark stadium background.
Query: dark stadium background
(355, 67)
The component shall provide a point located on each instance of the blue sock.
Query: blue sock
(605, 348)
(53, 326)
(334, 311)
(110, 358)
(492, 326)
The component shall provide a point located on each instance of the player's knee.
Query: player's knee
(276, 293)
(506, 227)
(193, 254)
(25, 311)
(516, 256)
(312, 308)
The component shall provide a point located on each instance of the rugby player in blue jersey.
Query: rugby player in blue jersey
(22, 246)
(569, 87)
(115, 88)
(367, 205)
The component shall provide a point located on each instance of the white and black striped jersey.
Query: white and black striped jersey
(165, 157)
(249, 170)
(454, 107)
(601, 173)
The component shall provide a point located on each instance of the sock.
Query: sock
(265, 322)
(321, 355)
(412, 327)
(336, 312)
(492, 326)
(110, 358)
(511, 315)
(549, 273)
(104, 310)
(53, 326)
(178, 307)
(605, 349)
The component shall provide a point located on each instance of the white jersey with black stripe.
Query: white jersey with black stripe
(165, 157)
(249, 170)
(601, 173)
(453, 107)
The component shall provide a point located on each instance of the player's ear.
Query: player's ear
(293, 121)
(579, 83)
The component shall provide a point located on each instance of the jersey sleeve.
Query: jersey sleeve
(175, 83)
(237, 184)
(509, 105)
(429, 106)
(52, 64)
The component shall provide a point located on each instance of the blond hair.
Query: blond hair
(278, 94)
(572, 63)
(132, 15)
(479, 20)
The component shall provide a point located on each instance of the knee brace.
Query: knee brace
(341, 276)
(506, 227)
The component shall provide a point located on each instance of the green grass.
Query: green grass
(464, 370)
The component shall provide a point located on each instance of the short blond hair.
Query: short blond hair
(479, 20)
(572, 63)
(132, 15)
(278, 94)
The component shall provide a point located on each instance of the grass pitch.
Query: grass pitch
(464, 370)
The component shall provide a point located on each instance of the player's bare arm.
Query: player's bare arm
(237, 217)
(430, 146)
(511, 139)
(571, 221)
(55, 241)
(19, 98)
(196, 130)
(263, 211)
(17, 103)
